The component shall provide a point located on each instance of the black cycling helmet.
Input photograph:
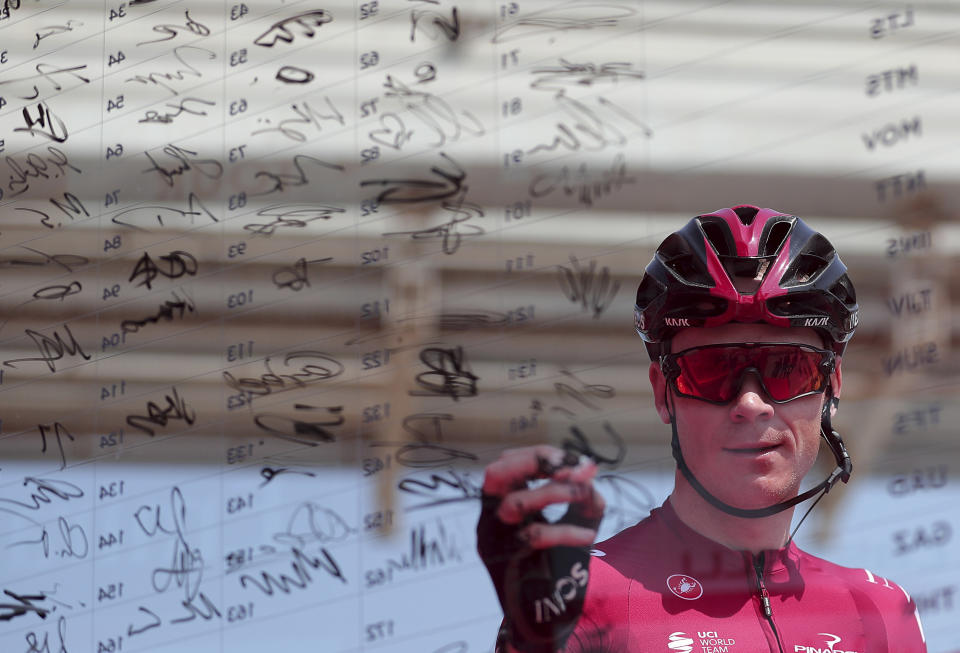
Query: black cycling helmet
(745, 264)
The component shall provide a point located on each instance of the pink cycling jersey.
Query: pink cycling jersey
(660, 586)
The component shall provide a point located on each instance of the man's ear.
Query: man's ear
(659, 384)
(836, 381)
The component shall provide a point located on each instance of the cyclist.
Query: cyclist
(745, 313)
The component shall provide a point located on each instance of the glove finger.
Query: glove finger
(546, 536)
(588, 511)
(515, 467)
(520, 504)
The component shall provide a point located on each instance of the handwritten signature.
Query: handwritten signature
(315, 366)
(170, 309)
(176, 409)
(188, 160)
(306, 116)
(581, 183)
(563, 18)
(165, 79)
(178, 108)
(52, 348)
(290, 215)
(586, 129)
(568, 73)
(131, 217)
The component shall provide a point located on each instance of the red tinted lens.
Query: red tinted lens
(715, 373)
(707, 373)
(790, 371)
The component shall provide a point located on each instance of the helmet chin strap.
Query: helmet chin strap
(834, 442)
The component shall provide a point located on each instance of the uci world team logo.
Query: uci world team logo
(686, 587)
(680, 642)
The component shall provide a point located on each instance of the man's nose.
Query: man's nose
(751, 403)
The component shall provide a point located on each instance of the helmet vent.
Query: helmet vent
(810, 263)
(719, 236)
(677, 257)
(648, 291)
(803, 304)
(843, 290)
(746, 214)
(775, 238)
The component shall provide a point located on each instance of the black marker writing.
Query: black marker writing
(301, 566)
(290, 215)
(283, 179)
(176, 409)
(37, 167)
(142, 629)
(434, 24)
(449, 374)
(169, 310)
(162, 78)
(280, 31)
(51, 349)
(187, 160)
(581, 286)
(294, 276)
(36, 646)
(150, 213)
(171, 31)
(581, 183)
(315, 366)
(585, 129)
(24, 605)
(310, 433)
(66, 261)
(44, 32)
(557, 78)
(46, 124)
(306, 116)
(563, 18)
(428, 449)
(43, 493)
(153, 116)
(172, 266)
(458, 485)
(59, 430)
(294, 75)
(59, 291)
(48, 73)
(270, 473)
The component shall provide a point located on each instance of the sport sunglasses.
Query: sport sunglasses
(715, 373)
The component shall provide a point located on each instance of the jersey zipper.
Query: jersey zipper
(765, 597)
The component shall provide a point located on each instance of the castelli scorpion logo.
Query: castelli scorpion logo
(686, 587)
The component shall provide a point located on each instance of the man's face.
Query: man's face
(751, 452)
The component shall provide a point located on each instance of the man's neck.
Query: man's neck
(738, 533)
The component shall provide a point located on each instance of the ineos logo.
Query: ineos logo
(565, 590)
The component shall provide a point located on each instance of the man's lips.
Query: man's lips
(755, 448)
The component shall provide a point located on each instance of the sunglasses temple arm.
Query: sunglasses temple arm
(844, 464)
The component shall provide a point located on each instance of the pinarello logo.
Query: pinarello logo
(680, 642)
(686, 587)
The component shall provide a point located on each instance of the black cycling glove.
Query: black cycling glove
(541, 590)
